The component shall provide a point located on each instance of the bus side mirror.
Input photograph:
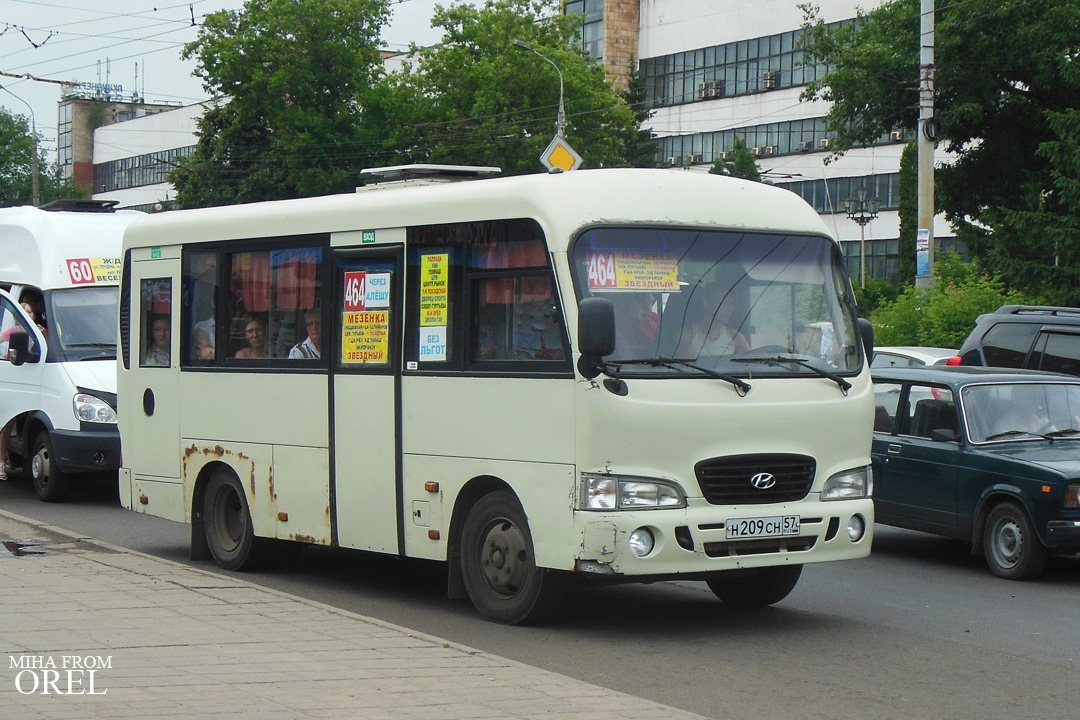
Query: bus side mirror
(866, 332)
(19, 351)
(596, 334)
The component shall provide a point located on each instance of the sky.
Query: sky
(116, 41)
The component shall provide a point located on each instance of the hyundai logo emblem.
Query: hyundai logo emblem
(763, 481)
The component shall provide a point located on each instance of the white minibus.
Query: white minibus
(593, 376)
(59, 279)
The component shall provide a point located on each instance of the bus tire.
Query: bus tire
(498, 564)
(754, 587)
(50, 482)
(1011, 546)
(227, 522)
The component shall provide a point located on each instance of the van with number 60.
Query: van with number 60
(59, 279)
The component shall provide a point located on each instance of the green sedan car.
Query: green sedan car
(985, 455)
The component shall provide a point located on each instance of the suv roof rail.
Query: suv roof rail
(78, 205)
(1037, 310)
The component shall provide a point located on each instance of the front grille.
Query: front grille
(740, 548)
(726, 480)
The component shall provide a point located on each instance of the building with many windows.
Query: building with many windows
(717, 71)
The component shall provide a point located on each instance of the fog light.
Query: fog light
(641, 542)
(856, 527)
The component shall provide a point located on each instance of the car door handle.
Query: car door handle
(894, 448)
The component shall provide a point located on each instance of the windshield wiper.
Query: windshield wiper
(1067, 432)
(1011, 433)
(796, 360)
(741, 386)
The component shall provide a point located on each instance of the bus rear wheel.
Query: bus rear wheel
(755, 587)
(50, 482)
(498, 564)
(227, 522)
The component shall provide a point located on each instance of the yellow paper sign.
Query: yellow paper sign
(434, 289)
(365, 337)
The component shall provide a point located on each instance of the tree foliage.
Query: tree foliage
(1007, 87)
(295, 80)
(477, 99)
(743, 164)
(16, 166)
(944, 314)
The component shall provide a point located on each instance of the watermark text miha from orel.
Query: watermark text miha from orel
(63, 675)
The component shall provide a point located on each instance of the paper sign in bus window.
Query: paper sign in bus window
(365, 337)
(433, 344)
(85, 271)
(366, 291)
(434, 289)
(627, 270)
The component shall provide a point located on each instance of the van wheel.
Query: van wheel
(754, 587)
(1011, 546)
(50, 482)
(498, 565)
(227, 522)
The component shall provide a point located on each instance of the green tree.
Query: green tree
(299, 111)
(743, 164)
(16, 166)
(1007, 91)
(943, 315)
(477, 99)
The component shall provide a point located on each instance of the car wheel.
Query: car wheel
(498, 564)
(754, 587)
(227, 522)
(1012, 547)
(50, 482)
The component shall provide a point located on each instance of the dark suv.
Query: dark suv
(1026, 336)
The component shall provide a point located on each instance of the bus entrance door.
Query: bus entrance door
(366, 398)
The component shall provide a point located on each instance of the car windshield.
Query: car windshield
(83, 322)
(743, 304)
(1009, 412)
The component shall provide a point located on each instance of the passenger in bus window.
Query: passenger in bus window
(311, 347)
(157, 354)
(35, 316)
(711, 325)
(203, 344)
(637, 325)
(255, 335)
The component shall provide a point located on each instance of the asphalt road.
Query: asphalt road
(920, 629)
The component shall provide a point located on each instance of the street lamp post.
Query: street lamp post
(862, 209)
(34, 184)
(560, 119)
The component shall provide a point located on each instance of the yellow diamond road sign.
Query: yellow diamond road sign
(559, 154)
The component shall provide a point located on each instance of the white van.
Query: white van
(59, 283)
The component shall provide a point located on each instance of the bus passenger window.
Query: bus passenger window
(517, 319)
(156, 315)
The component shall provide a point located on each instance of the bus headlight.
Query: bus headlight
(613, 492)
(850, 484)
(93, 409)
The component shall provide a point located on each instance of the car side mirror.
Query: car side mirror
(596, 334)
(866, 332)
(19, 351)
(944, 435)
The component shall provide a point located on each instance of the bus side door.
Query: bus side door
(365, 408)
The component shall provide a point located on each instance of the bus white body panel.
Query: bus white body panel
(454, 383)
(65, 264)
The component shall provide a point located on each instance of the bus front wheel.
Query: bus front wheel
(227, 522)
(755, 587)
(498, 564)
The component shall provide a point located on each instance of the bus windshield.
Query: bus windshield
(745, 304)
(82, 323)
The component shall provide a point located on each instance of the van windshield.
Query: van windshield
(744, 304)
(82, 323)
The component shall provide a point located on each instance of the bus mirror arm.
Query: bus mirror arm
(866, 332)
(596, 335)
(19, 351)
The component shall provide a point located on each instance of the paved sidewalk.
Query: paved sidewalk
(157, 639)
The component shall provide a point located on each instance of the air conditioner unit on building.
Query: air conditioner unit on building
(711, 89)
(673, 160)
(806, 146)
(825, 143)
(770, 149)
(727, 155)
(704, 90)
(718, 88)
(896, 135)
(770, 80)
(758, 151)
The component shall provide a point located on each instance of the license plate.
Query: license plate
(778, 526)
